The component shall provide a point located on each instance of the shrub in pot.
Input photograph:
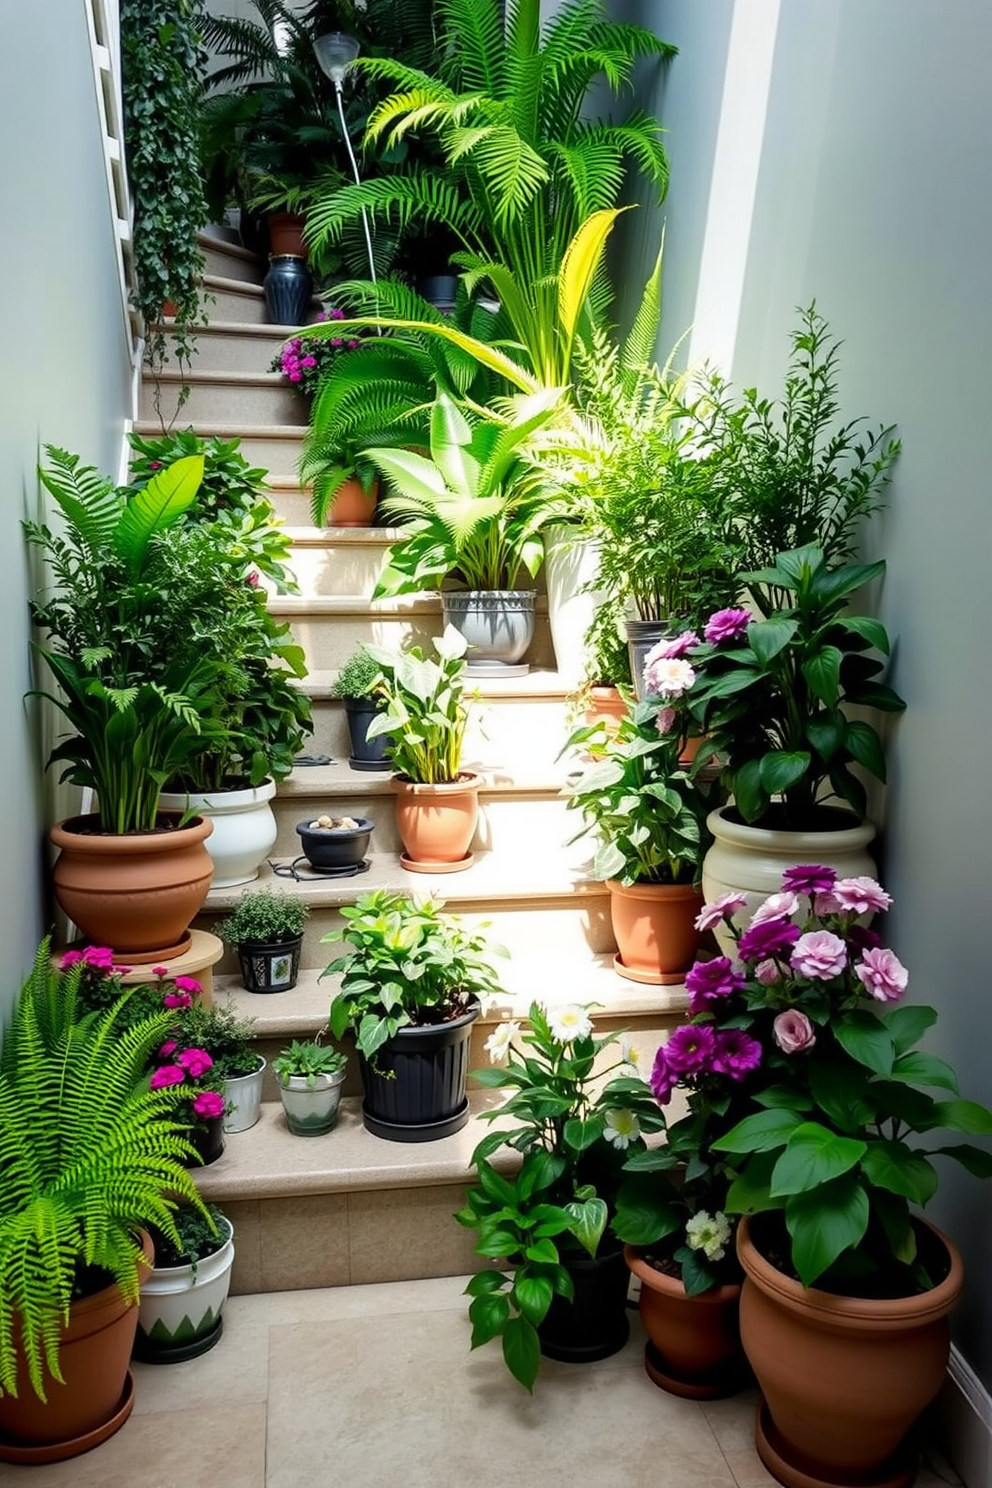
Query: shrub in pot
(550, 1224)
(227, 1040)
(182, 1299)
(311, 1076)
(357, 686)
(265, 928)
(90, 1157)
(411, 982)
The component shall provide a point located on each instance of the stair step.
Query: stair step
(234, 346)
(217, 395)
(275, 448)
(237, 299)
(231, 260)
(339, 560)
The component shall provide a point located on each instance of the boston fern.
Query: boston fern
(89, 1156)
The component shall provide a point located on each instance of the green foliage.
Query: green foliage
(573, 1127)
(774, 703)
(306, 1058)
(201, 1234)
(425, 712)
(88, 1157)
(607, 656)
(226, 1038)
(264, 915)
(163, 61)
(406, 963)
(358, 677)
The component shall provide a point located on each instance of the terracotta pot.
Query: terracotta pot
(654, 930)
(753, 859)
(694, 1348)
(843, 1378)
(286, 235)
(136, 892)
(351, 506)
(436, 823)
(95, 1399)
(605, 704)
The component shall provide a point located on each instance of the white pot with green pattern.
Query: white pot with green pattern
(181, 1306)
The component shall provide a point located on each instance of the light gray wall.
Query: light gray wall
(64, 377)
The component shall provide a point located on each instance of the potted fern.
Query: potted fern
(357, 687)
(90, 1158)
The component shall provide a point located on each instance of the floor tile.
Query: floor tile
(234, 1372)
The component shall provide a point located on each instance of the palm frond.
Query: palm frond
(423, 196)
(473, 31)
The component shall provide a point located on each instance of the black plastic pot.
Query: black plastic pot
(595, 1324)
(335, 847)
(270, 966)
(288, 286)
(207, 1136)
(366, 754)
(417, 1094)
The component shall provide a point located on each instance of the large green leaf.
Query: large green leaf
(156, 507)
(867, 1039)
(781, 769)
(964, 1116)
(919, 1068)
(522, 1351)
(896, 1167)
(533, 1293)
(767, 638)
(908, 1024)
(814, 1156)
(762, 1132)
(825, 1222)
(589, 1218)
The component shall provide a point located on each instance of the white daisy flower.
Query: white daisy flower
(622, 1127)
(569, 1023)
(498, 1043)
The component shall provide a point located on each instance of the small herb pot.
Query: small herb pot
(311, 1102)
(270, 966)
(335, 847)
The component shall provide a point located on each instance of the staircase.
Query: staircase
(349, 1207)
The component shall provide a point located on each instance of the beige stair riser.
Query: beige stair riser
(524, 823)
(337, 568)
(328, 640)
(277, 453)
(237, 349)
(225, 402)
(228, 264)
(228, 302)
(292, 504)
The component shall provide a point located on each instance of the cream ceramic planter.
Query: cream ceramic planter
(244, 1095)
(180, 1313)
(571, 567)
(244, 828)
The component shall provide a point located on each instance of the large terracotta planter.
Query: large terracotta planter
(654, 929)
(843, 1378)
(436, 823)
(352, 506)
(694, 1343)
(244, 828)
(96, 1396)
(753, 859)
(138, 892)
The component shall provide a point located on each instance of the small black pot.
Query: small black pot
(335, 847)
(366, 754)
(270, 966)
(419, 1095)
(595, 1324)
(207, 1136)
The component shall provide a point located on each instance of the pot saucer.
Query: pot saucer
(497, 668)
(654, 1364)
(898, 1471)
(458, 866)
(648, 978)
(74, 1446)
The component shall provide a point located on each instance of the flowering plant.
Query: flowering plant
(803, 1023)
(303, 360)
(574, 1131)
(772, 693)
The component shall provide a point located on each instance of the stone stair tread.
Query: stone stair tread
(339, 779)
(539, 682)
(268, 1161)
(207, 239)
(275, 333)
(551, 979)
(223, 379)
(225, 430)
(494, 880)
(319, 537)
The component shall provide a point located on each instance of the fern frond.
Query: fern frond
(91, 503)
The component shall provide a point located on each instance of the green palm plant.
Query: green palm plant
(522, 168)
(89, 1156)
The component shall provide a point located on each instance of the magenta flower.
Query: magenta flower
(196, 1062)
(776, 907)
(722, 908)
(819, 955)
(736, 1053)
(169, 1074)
(673, 647)
(883, 975)
(708, 981)
(663, 1081)
(160, 972)
(208, 1104)
(809, 878)
(177, 1000)
(100, 958)
(169, 1047)
(188, 984)
(861, 938)
(70, 958)
(727, 625)
(690, 1049)
(664, 721)
(773, 938)
(861, 895)
(793, 1032)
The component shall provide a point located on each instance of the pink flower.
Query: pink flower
(708, 981)
(773, 938)
(720, 909)
(208, 1104)
(727, 625)
(169, 1074)
(825, 904)
(768, 973)
(883, 975)
(70, 958)
(160, 971)
(690, 1049)
(667, 677)
(819, 955)
(793, 1032)
(736, 1053)
(169, 1047)
(177, 1000)
(665, 720)
(861, 895)
(809, 878)
(154, 464)
(195, 1061)
(775, 907)
(252, 579)
(188, 984)
(663, 1081)
(100, 958)
(672, 646)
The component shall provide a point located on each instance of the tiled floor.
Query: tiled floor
(375, 1387)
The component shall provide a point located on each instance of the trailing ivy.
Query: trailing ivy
(163, 62)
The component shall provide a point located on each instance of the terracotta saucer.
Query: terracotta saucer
(60, 1451)
(458, 866)
(648, 978)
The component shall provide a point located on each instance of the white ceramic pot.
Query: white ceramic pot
(244, 1096)
(244, 828)
(571, 566)
(181, 1306)
(311, 1102)
(753, 859)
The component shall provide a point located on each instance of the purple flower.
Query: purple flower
(861, 895)
(736, 1053)
(819, 955)
(168, 1048)
(793, 1032)
(160, 972)
(708, 981)
(690, 1049)
(776, 907)
(663, 1082)
(177, 1000)
(188, 984)
(860, 938)
(664, 720)
(773, 938)
(168, 1075)
(722, 908)
(883, 975)
(809, 878)
(70, 958)
(727, 625)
